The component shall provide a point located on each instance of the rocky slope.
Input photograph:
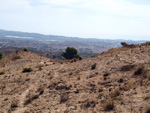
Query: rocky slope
(116, 81)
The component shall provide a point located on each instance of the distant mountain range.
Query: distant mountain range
(42, 37)
(53, 43)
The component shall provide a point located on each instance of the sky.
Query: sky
(111, 19)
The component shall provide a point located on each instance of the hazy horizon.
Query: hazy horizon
(113, 37)
(102, 19)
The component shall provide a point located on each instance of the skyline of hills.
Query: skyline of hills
(53, 45)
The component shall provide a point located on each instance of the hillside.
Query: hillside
(116, 81)
(9, 50)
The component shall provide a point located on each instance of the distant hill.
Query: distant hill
(41, 37)
(57, 44)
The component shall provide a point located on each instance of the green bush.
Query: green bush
(70, 53)
(1, 55)
(123, 44)
(25, 49)
(76, 56)
(26, 70)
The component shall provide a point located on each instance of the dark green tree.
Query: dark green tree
(70, 53)
(25, 49)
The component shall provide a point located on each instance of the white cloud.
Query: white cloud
(107, 7)
(90, 17)
(10, 4)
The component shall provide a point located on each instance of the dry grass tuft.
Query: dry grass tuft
(28, 101)
(146, 97)
(64, 97)
(132, 84)
(141, 71)
(108, 105)
(121, 80)
(93, 66)
(2, 72)
(88, 104)
(127, 68)
(115, 94)
(147, 109)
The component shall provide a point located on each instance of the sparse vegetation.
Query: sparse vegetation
(112, 82)
(26, 70)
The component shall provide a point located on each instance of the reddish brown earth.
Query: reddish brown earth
(119, 83)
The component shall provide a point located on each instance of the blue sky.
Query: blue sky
(113, 19)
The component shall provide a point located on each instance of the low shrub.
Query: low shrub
(2, 72)
(64, 97)
(115, 94)
(15, 58)
(120, 80)
(25, 49)
(106, 75)
(147, 109)
(141, 71)
(29, 100)
(127, 68)
(88, 104)
(14, 105)
(26, 70)
(93, 66)
(108, 105)
(1, 55)
(146, 97)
